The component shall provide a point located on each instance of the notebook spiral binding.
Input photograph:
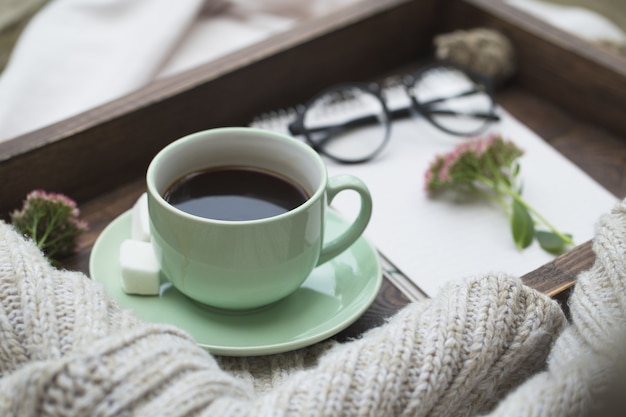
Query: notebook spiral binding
(276, 120)
(392, 89)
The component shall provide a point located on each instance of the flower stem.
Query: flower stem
(568, 240)
(502, 188)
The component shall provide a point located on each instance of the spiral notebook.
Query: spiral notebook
(426, 242)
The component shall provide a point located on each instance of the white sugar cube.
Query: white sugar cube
(140, 229)
(140, 268)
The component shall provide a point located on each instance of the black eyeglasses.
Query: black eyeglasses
(351, 123)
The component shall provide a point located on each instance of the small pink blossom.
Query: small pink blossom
(460, 167)
(51, 220)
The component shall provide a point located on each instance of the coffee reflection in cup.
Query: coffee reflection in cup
(235, 193)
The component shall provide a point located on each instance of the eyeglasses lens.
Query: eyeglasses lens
(349, 124)
(453, 100)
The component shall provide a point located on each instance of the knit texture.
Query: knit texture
(588, 359)
(485, 345)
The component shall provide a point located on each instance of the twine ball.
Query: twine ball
(485, 51)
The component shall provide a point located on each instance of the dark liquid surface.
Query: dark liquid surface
(235, 193)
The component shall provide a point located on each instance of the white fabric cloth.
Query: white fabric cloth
(578, 21)
(78, 54)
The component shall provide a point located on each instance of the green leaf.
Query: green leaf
(522, 226)
(506, 180)
(516, 169)
(551, 242)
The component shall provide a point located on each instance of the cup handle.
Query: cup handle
(355, 230)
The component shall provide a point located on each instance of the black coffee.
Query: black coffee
(235, 193)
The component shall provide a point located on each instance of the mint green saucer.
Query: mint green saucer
(333, 297)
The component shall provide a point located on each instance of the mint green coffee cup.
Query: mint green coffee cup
(246, 264)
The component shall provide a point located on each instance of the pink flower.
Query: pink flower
(51, 220)
(469, 160)
(452, 158)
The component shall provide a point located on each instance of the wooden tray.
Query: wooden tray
(570, 92)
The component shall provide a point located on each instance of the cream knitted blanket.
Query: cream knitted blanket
(486, 345)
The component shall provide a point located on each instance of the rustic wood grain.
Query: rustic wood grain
(560, 274)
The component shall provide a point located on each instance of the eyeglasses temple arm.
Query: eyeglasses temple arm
(478, 115)
(458, 95)
(297, 127)
(486, 116)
